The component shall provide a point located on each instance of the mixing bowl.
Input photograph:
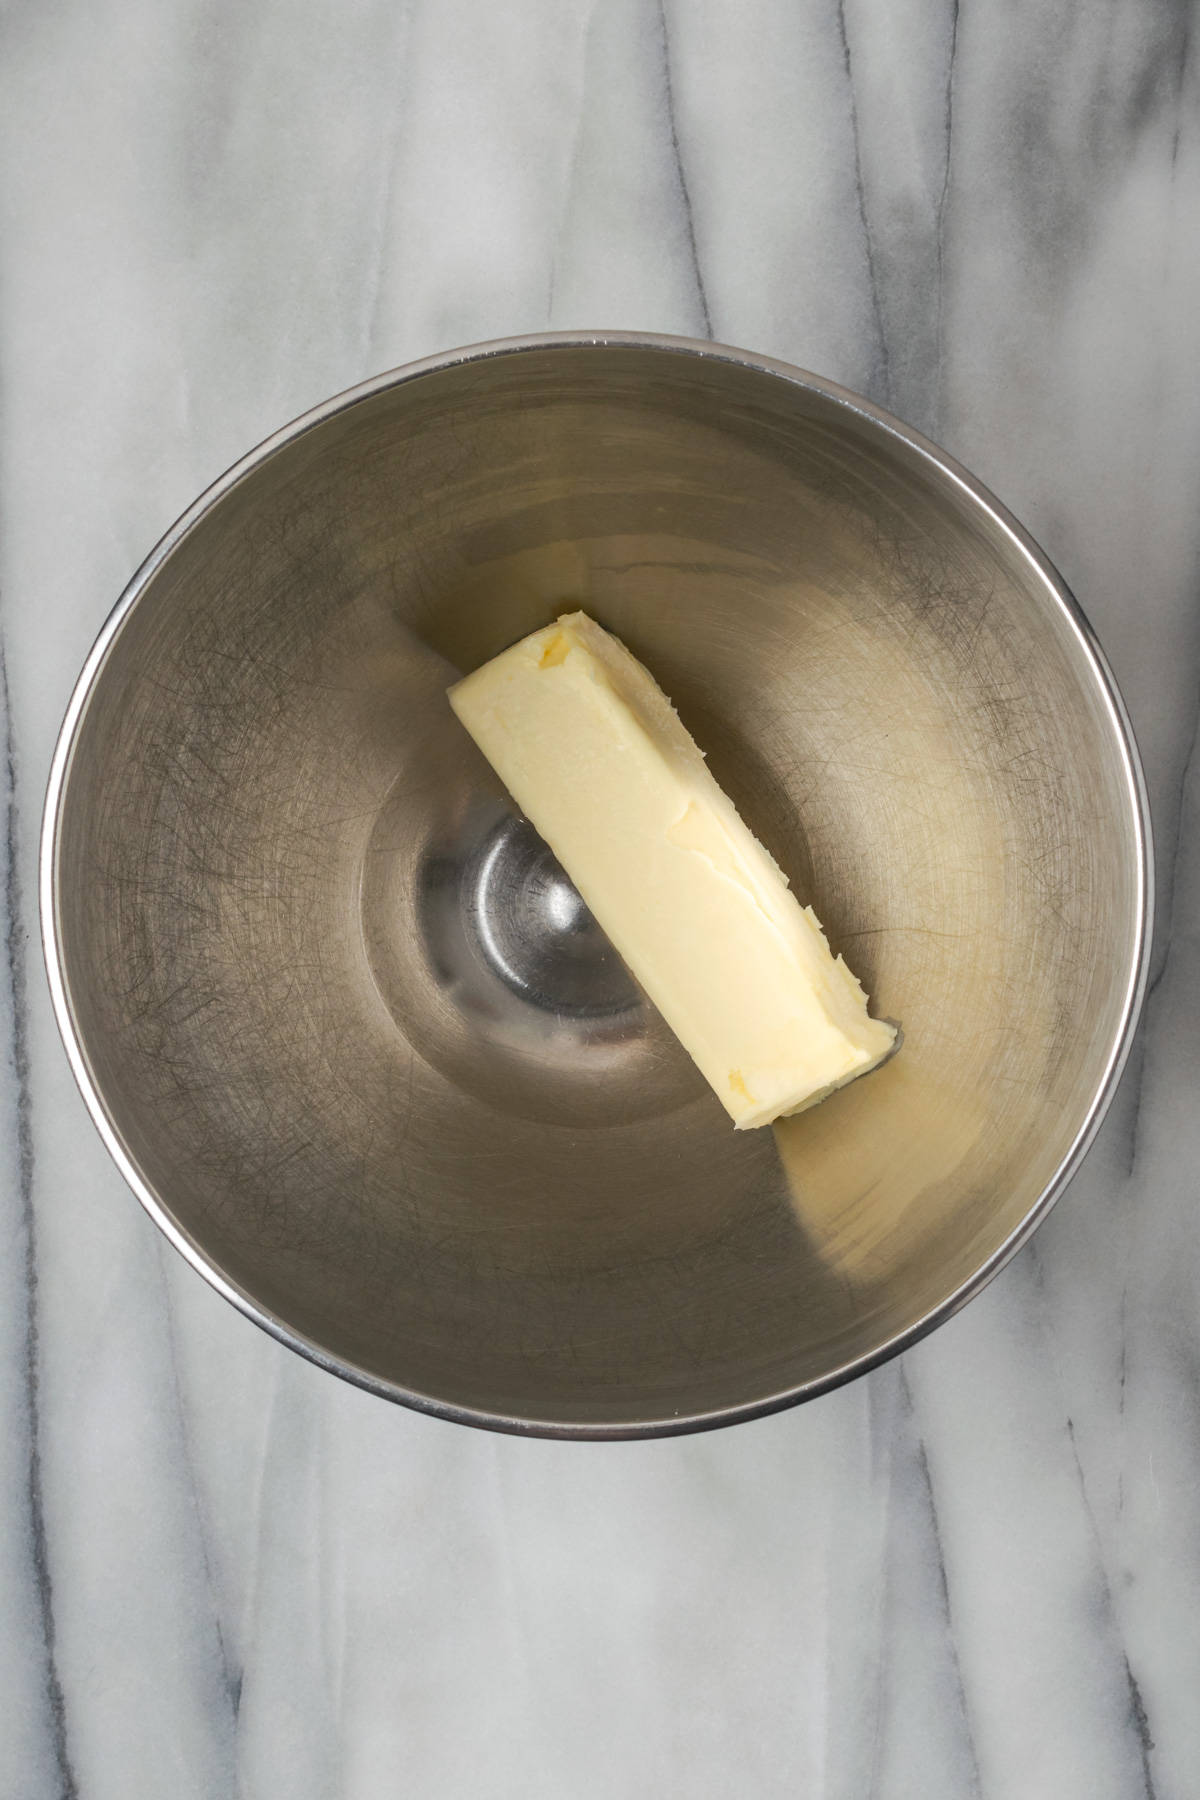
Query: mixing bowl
(346, 1026)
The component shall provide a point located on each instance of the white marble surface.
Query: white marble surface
(976, 1573)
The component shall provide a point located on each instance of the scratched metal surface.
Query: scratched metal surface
(283, 871)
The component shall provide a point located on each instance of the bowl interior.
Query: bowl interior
(347, 1020)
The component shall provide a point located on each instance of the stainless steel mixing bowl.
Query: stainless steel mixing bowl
(347, 1028)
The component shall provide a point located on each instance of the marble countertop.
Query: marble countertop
(976, 1572)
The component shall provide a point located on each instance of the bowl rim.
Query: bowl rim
(1056, 593)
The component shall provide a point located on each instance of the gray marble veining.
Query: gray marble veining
(977, 1572)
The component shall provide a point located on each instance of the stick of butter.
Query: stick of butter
(595, 756)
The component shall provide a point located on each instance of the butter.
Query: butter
(595, 756)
